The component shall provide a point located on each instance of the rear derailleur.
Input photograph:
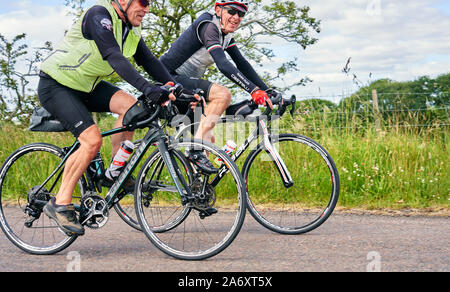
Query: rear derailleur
(36, 202)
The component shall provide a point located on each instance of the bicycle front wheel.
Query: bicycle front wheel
(185, 230)
(21, 216)
(306, 204)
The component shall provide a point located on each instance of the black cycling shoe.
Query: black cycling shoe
(65, 217)
(128, 185)
(202, 162)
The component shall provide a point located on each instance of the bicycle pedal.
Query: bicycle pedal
(185, 200)
(208, 212)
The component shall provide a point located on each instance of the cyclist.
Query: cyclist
(71, 86)
(200, 46)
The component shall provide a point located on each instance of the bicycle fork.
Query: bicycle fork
(175, 172)
(271, 150)
(275, 156)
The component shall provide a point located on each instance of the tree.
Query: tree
(279, 19)
(425, 100)
(16, 102)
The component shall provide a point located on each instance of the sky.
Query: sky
(401, 40)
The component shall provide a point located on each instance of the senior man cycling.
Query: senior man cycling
(71, 86)
(203, 44)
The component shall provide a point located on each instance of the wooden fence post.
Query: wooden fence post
(376, 110)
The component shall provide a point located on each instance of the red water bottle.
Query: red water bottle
(229, 148)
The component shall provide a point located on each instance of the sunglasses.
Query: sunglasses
(144, 3)
(233, 12)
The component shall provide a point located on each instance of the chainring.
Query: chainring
(202, 200)
(94, 211)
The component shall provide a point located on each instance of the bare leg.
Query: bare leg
(219, 100)
(120, 103)
(90, 143)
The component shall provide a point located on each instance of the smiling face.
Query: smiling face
(230, 23)
(135, 12)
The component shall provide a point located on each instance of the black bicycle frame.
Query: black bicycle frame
(261, 130)
(154, 135)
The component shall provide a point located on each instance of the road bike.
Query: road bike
(292, 181)
(171, 197)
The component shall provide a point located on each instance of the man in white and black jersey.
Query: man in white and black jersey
(203, 44)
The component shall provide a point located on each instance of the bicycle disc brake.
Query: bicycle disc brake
(94, 211)
(203, 200)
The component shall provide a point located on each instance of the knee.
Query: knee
(226, 96)
(121, 102)
(91, 141)
(221, 94)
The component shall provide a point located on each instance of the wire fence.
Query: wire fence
(317, 112)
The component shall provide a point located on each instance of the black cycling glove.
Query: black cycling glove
(159, 94)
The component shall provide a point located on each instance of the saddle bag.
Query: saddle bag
(42, 121)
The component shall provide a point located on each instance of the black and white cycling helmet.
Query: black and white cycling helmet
(241, 5)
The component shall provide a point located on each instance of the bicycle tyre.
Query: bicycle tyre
(27, 161)
(165, 225)
(286, 210)
(196, 238)
(124, 214)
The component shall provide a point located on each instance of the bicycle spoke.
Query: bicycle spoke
(308, 202)
(190, 231)
(22, 221)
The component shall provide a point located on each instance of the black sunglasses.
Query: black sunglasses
(233, 11)
(144, 3)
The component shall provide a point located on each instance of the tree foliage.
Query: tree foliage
(16, 99)
(265, 20)
(424, 92)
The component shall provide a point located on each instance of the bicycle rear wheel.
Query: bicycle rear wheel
(184, 231)
(303, 206)
(21, 216)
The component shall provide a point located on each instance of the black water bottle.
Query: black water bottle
(96, 168)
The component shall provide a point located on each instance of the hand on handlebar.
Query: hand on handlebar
(261, 97)
(200, 99)
(160, 95)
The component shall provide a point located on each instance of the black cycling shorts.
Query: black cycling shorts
(194, 83)
(73, 107)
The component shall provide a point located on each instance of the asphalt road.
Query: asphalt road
(346, 242)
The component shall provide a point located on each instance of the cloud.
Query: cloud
(390, 39)
(401, 40)
(40, 23)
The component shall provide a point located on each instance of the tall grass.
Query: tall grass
(400, 165)
(403, 163)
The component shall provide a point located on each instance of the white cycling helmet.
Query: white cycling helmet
(237, 4)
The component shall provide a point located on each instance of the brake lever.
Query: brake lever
(293, 101)
(202, 101)
(277, 99)
(281, 109)
(177, 89)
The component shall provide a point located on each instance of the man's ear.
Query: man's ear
(217, 9)
(121, 2)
